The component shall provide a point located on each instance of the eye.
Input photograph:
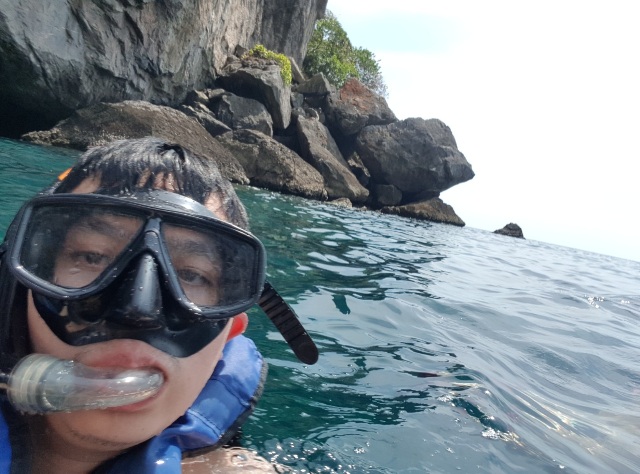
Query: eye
(194, 278)
(93, 259)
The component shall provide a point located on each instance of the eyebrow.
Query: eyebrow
(97, 223)
(194, 247)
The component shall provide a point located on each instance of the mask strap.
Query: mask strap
(284, 318)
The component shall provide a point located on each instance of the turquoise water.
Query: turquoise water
(443, 349)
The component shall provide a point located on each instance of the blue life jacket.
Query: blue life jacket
(224, 404)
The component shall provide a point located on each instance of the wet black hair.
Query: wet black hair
(126, 166)
(122, 167)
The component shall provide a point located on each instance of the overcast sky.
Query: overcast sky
(543, 98)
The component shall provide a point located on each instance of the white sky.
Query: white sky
(543, 98)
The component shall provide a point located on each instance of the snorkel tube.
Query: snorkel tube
(44, 384)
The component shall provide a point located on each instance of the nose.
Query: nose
(138, 299)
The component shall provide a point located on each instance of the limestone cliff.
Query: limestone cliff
(56, 57)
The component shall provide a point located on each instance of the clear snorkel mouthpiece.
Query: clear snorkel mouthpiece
(43, 384)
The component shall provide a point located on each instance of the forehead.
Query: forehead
(164, 183)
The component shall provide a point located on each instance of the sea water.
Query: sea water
(442, 349)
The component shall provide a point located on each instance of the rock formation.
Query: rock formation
(304, 138)
(268, 164)
(260, 80)
(415, 155)
(320, 149)
(103, 123)
(56, 57)
(431, 210)
(512, 230)
(354, 107)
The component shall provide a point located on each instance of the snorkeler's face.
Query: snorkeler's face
(114, 429)
(153, 266)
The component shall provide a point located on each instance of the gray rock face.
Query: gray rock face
(103, 123)
(56, 57)
(257, 79)
(205, 117)
(318, 85)
(240, 112)
(321, 151)
(354, 107)
(415, 155)
(269, 164)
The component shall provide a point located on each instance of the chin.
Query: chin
(113, 429)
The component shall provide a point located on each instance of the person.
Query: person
(136, 265)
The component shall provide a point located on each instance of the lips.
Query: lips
(125, 354)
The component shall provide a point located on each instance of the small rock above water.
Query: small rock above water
(512, 230)
(433, 209)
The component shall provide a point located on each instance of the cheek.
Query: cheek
(195, 371)
(192, 375)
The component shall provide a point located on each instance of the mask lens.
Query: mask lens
(71, 247)
(214, 267)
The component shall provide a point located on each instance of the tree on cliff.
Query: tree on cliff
(330, 52)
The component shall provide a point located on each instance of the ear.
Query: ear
(238, 325)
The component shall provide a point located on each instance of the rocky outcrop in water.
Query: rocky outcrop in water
(320, 149)
(103, 123)
(56, 57)
(416, 156)
(431, 210)
(305, 138)
(511, 230)
(269, 164)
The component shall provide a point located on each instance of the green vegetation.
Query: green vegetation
(259, 51)
(330, 52)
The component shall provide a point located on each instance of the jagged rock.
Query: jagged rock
(358, 168)
(512, 230)
(56, 57)
(432, 210)
(297, 100)
(320, 150)
(316, 86)
(415, 155)
(354, 107)
(103, 123)
(261, 80)
(242, 113)
(286, 25)
(203, 97)
(206, 118)
(268, 164)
